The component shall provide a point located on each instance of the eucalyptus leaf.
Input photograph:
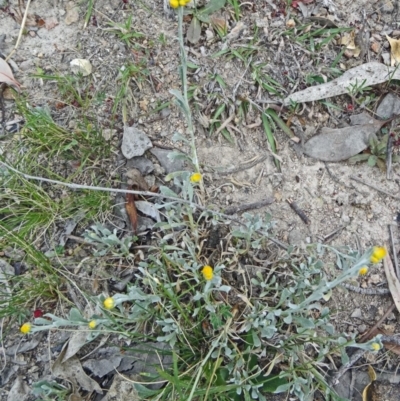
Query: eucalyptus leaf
(194, 31)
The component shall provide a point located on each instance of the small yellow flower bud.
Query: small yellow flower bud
(25, 328)
(375, 346)
(363, 271)
(182, 3)
(195, 177)
(109, 303)
(92, 324)
(174, 3)
(378, 253)
(208, 272)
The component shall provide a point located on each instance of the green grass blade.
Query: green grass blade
(270, 138)
(280, 123)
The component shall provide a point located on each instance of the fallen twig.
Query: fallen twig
(243, 166)
(396, 263)
(144, 193)
(366, 291)
(352, 360)
(248, 206)
(352, 177)
(298, 211)
(391, 339)
(21, 31)
(389, 151)
(370, 332)
(332, 234)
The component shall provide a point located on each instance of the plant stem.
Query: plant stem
(189, 120)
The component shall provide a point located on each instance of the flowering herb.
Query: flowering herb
(195, 177)
(208, 272)
(109, 303)
(375, 346)
(25, 328)
(378, 253)
(92, 324)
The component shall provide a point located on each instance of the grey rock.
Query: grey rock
(389, 106)
(169, 165)
(144, 165)
(362, 328)
(164, 113)
(144, 223)
(134, 142)
(357, 313)
(103, 366)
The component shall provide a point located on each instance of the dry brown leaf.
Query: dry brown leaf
(72, 371)
(348, 40)
(6, 75)
(393, 281)
(394, 51)
(131, 210)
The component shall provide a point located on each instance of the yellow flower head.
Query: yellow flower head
(174, 3)
(109, 303)
(92, 324)
(375, 346)
(378, 253)
(195, 177)
(25, 328)
(363, 271)
(208, 272)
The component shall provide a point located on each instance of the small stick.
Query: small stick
(20, 31)
(298, 211)
(396, 263)
(377, 324)
(2, 106)
(332, 234)
(389, 151)
(391, 339)
(366, 291)
(248, 206)
(225, 123)
(145, 193)
(352, 177)
(352, 360)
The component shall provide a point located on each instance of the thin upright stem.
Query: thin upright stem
(183, 74)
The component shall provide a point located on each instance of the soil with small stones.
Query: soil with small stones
(340, 210)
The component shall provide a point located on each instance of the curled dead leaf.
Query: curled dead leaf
(6, 75)
(394, 51)
(337, 144)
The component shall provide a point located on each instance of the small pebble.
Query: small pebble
(356, 313)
